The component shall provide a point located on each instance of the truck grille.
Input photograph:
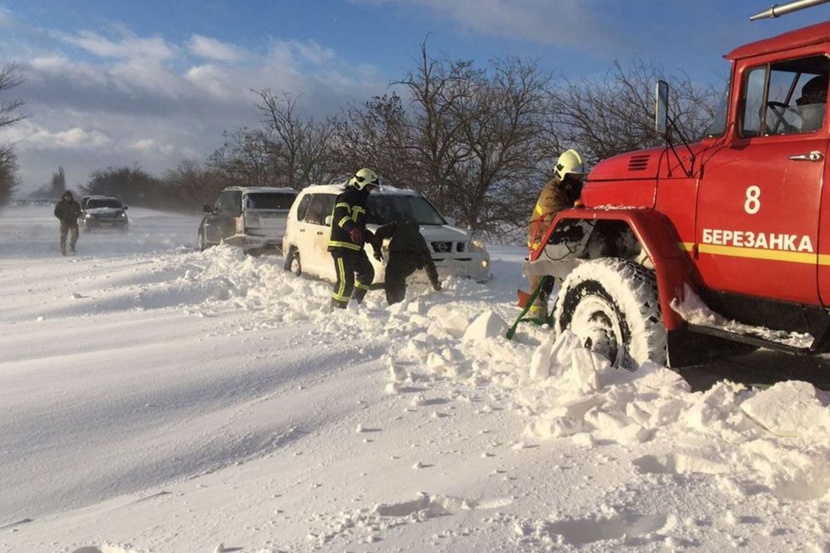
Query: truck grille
(442, 247)
(448, 247)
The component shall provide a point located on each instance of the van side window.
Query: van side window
(787, 97)
(319, 208)
(302, 207)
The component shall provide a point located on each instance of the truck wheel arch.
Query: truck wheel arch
(656, 237)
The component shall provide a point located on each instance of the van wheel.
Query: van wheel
(612, 306)
(293, 263)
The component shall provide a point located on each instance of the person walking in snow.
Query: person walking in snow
(408, 252)
(348, 234)
(67, 210)
(559, 193)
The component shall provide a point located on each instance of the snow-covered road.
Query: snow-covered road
(158, 398)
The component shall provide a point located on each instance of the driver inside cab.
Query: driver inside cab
(812, 103)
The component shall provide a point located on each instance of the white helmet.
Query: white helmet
(364, 178)
(569, 163)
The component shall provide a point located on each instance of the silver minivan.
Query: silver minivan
(455, 251)
(252, 217)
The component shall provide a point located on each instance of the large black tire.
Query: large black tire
(611, 305)
(293, 263)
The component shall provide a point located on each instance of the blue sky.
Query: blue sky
(149, 83)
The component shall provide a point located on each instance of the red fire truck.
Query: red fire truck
(680, 253)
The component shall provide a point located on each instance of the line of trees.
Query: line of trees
(478, 141)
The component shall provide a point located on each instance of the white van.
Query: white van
(455, 251)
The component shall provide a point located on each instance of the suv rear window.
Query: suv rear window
(270, 200)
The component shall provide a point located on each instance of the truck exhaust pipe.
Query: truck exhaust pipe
(783, 9)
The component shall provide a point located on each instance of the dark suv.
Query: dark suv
(103, 212)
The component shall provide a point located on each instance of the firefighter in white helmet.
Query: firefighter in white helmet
(348, 234)
(559, 193)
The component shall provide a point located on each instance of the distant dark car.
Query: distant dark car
(103, 212)
(251, 217)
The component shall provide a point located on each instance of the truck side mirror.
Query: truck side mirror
(661, 107)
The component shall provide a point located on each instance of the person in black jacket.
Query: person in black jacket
(348, 234)
(67, 210)
(408, 252)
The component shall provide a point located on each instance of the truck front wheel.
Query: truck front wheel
(612, 306)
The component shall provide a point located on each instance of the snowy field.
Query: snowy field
(154, 398)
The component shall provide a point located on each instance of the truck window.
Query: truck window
(787, 97)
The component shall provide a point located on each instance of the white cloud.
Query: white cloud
(296, 54)
(145, 144)
(29, 136)
(114, 98)
(84, 74)
(314, 52)
(214, 49)
(127, 47)
(215, 82)
(147, 78)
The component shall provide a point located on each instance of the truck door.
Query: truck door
(757, 228)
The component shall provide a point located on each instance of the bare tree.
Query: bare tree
(9, 115)
(9, 110)
(132, 185)
(245, 159)
(475, 136)
(615, 114)
(58, 184)
(300, 150)
(8, 174)
(434, 134)
(191, 185)
(500, 118)
(376, 135)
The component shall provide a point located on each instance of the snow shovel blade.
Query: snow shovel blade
(524, 298)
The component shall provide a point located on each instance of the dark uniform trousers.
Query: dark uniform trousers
(400, 266)
(353, 270)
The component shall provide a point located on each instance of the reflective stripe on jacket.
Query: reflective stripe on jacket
(349, 212)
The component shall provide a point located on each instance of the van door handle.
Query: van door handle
(815, 155)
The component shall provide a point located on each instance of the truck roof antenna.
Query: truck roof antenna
(784, 9)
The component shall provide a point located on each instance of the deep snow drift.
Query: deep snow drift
(158, 398)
